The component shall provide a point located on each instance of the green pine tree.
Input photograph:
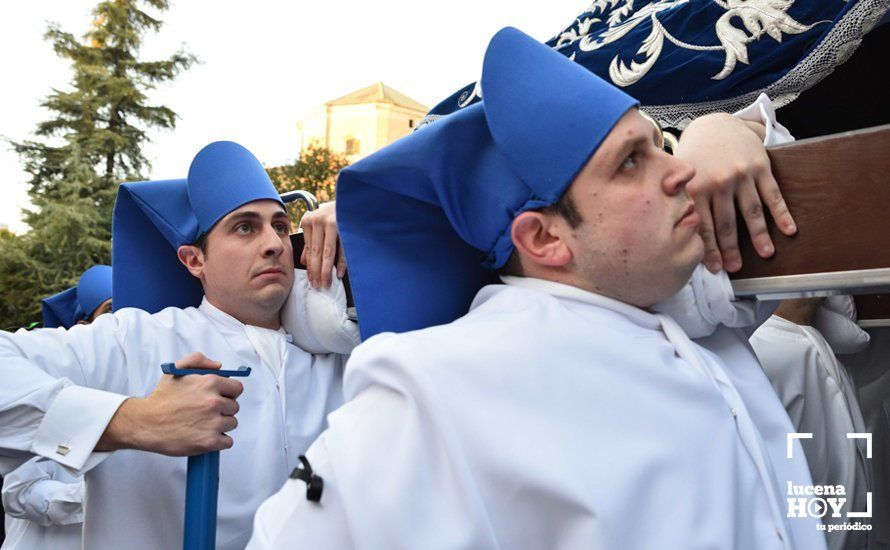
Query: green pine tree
(92, 142)
(63, 239)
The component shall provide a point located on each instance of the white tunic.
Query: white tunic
(60, 404)
(820, 398)
(44, 507)
(549, 417)
(871, 372)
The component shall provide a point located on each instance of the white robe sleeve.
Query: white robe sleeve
(818, 395)
(384, 453)
(836, 321)
(317, 318)
(287, 520)
(61, 389)
(706, 301)
(42, 492)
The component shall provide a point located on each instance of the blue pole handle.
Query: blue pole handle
(170, 368)
(202, 481)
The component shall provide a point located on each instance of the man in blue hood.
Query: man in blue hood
(564, 410)
(80, 304)
(203, 276)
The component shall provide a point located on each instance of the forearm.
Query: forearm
(73, 424)
(800, 311)
(128, 429)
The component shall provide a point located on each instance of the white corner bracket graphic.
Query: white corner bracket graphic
(867, 438)
(867, 512)
(789, 453)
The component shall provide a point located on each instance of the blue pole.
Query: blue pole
(201, 490)
(202, 481)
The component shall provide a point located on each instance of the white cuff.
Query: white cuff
(762, 111)
(66, 505)
(73, 425)
(836, 321)
(55, 503)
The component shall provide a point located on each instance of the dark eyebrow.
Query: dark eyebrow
(251, 215)
(616, 158)
(248, 215)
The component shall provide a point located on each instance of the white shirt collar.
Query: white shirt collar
(569, 292)
(224, 319)
(267, 343)
(219, 316)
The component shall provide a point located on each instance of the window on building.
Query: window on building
(353, 146)
(411, 123)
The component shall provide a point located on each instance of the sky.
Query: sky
(264, 65)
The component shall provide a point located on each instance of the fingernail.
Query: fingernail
(767, 249)
(733, 265)
(791, 226)
(714, 266)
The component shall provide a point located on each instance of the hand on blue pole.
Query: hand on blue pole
(182, 416)
(202, 484)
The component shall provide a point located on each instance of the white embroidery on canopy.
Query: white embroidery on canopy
(832, 51)
(758, 17)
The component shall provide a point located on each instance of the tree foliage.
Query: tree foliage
(91, 142)
(315, 171)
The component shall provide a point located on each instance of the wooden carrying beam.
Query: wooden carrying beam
(838, 190)
(873, 310)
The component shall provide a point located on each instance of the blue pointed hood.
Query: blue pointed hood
(426, 220)
(154, 218)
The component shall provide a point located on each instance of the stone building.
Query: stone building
(361, 122)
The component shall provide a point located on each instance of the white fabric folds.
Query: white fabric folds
(317, 318)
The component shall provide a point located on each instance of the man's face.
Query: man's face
(638, 241)
(247, 269)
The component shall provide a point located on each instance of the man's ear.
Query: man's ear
(539, 240)
(192, 258)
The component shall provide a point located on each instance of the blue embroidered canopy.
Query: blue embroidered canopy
(685, 58)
